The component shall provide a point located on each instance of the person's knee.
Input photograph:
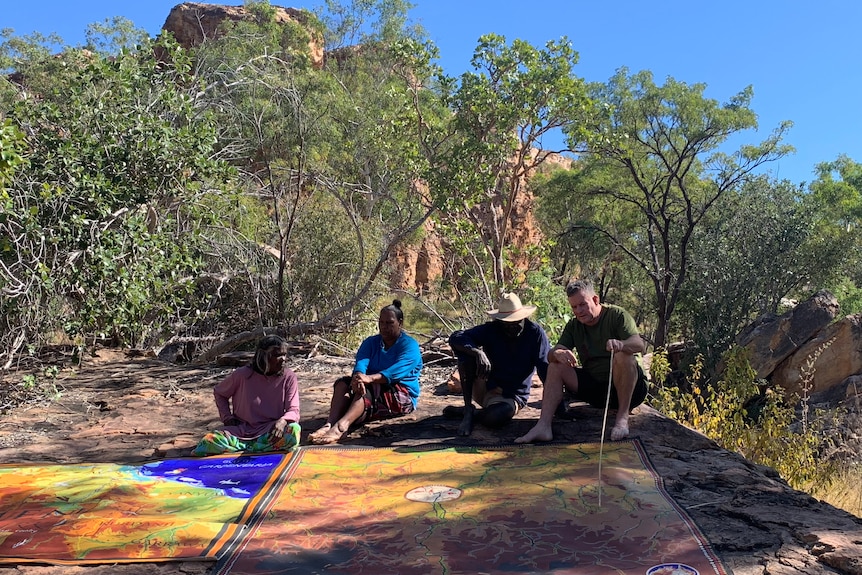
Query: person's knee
(498, 414)
(557, 369)
(623, 360)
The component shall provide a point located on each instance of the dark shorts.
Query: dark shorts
(595, 392)
(383, 402)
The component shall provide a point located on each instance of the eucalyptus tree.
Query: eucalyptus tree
(836, 195)
(659, 155)
(759, 244)
(329, 149)
(570, 220)
(503, 113)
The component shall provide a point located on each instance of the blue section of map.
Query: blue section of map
(238, 476)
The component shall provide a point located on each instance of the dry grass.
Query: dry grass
(846, 491)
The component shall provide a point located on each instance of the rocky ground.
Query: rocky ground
(115, 408)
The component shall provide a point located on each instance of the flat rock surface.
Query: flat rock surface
(119, 409)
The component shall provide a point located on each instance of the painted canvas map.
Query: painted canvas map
(524, 509)
(158, 511)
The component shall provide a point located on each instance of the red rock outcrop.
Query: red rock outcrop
(191, 23)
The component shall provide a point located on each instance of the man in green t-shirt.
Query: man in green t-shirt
(595, 331)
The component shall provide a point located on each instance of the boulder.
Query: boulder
(191, 23)
(824, 361)
(772, 339)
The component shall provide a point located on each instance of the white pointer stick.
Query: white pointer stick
(604, 423)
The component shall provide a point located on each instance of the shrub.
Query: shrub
(742, 415)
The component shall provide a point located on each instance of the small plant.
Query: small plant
(742, 415)
(28, 382)
(807, 375)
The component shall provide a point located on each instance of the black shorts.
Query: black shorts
(595, 392)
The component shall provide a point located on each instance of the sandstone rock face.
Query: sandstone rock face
(825, 360)
(416, 266)
(191, 23)
(770, 340)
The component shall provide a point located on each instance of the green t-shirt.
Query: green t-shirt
(590, 340)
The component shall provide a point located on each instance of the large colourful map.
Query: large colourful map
(522, 509)
(157, 511)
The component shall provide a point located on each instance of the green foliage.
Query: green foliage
(836, 198)
(553, 311)
(355, 22)
(515, 94)
(849, 295)
(325, 257)
(738, 415)
(322, 151)
(758, 244)
(104, 219)
(23, 54)
(11, 150)
(655, 170)
(114, 35)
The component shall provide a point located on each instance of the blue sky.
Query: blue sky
(803, 58)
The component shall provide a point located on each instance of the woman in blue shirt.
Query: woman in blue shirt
(385, 380)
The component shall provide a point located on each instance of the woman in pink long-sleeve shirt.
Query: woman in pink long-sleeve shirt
(258, 405)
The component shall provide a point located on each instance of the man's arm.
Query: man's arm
(463, 344)
(562, 354)
(632, 345)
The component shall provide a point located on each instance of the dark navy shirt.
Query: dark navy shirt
(513, 360)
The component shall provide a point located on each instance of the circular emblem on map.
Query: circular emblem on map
(433, 494)
(672, 569)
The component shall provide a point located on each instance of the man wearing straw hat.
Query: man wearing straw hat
(608, 344)
(496, 362)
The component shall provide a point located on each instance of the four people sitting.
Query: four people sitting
(259, 404)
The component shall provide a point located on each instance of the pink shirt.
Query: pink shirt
(258, 400)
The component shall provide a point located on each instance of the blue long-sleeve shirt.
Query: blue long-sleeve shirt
(513, 360)
(401, 363)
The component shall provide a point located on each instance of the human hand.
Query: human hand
(566, 357)
(357, 383)
(614, 345)
(278, 429)
(483, 364)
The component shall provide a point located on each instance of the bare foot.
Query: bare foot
(322, 431)
(333, 435)
(539, 432)
(466, 427)
(620, 430)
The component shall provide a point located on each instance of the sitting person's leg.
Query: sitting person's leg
(473, 388)
(355, 413)
(378, 403)
(498, 410)
(629, 391)
(561, 377)
(217, 442)
(338, 405)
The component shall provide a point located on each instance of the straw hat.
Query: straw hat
(510, 308)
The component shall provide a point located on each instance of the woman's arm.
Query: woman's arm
(223, 392)
(291, 397)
